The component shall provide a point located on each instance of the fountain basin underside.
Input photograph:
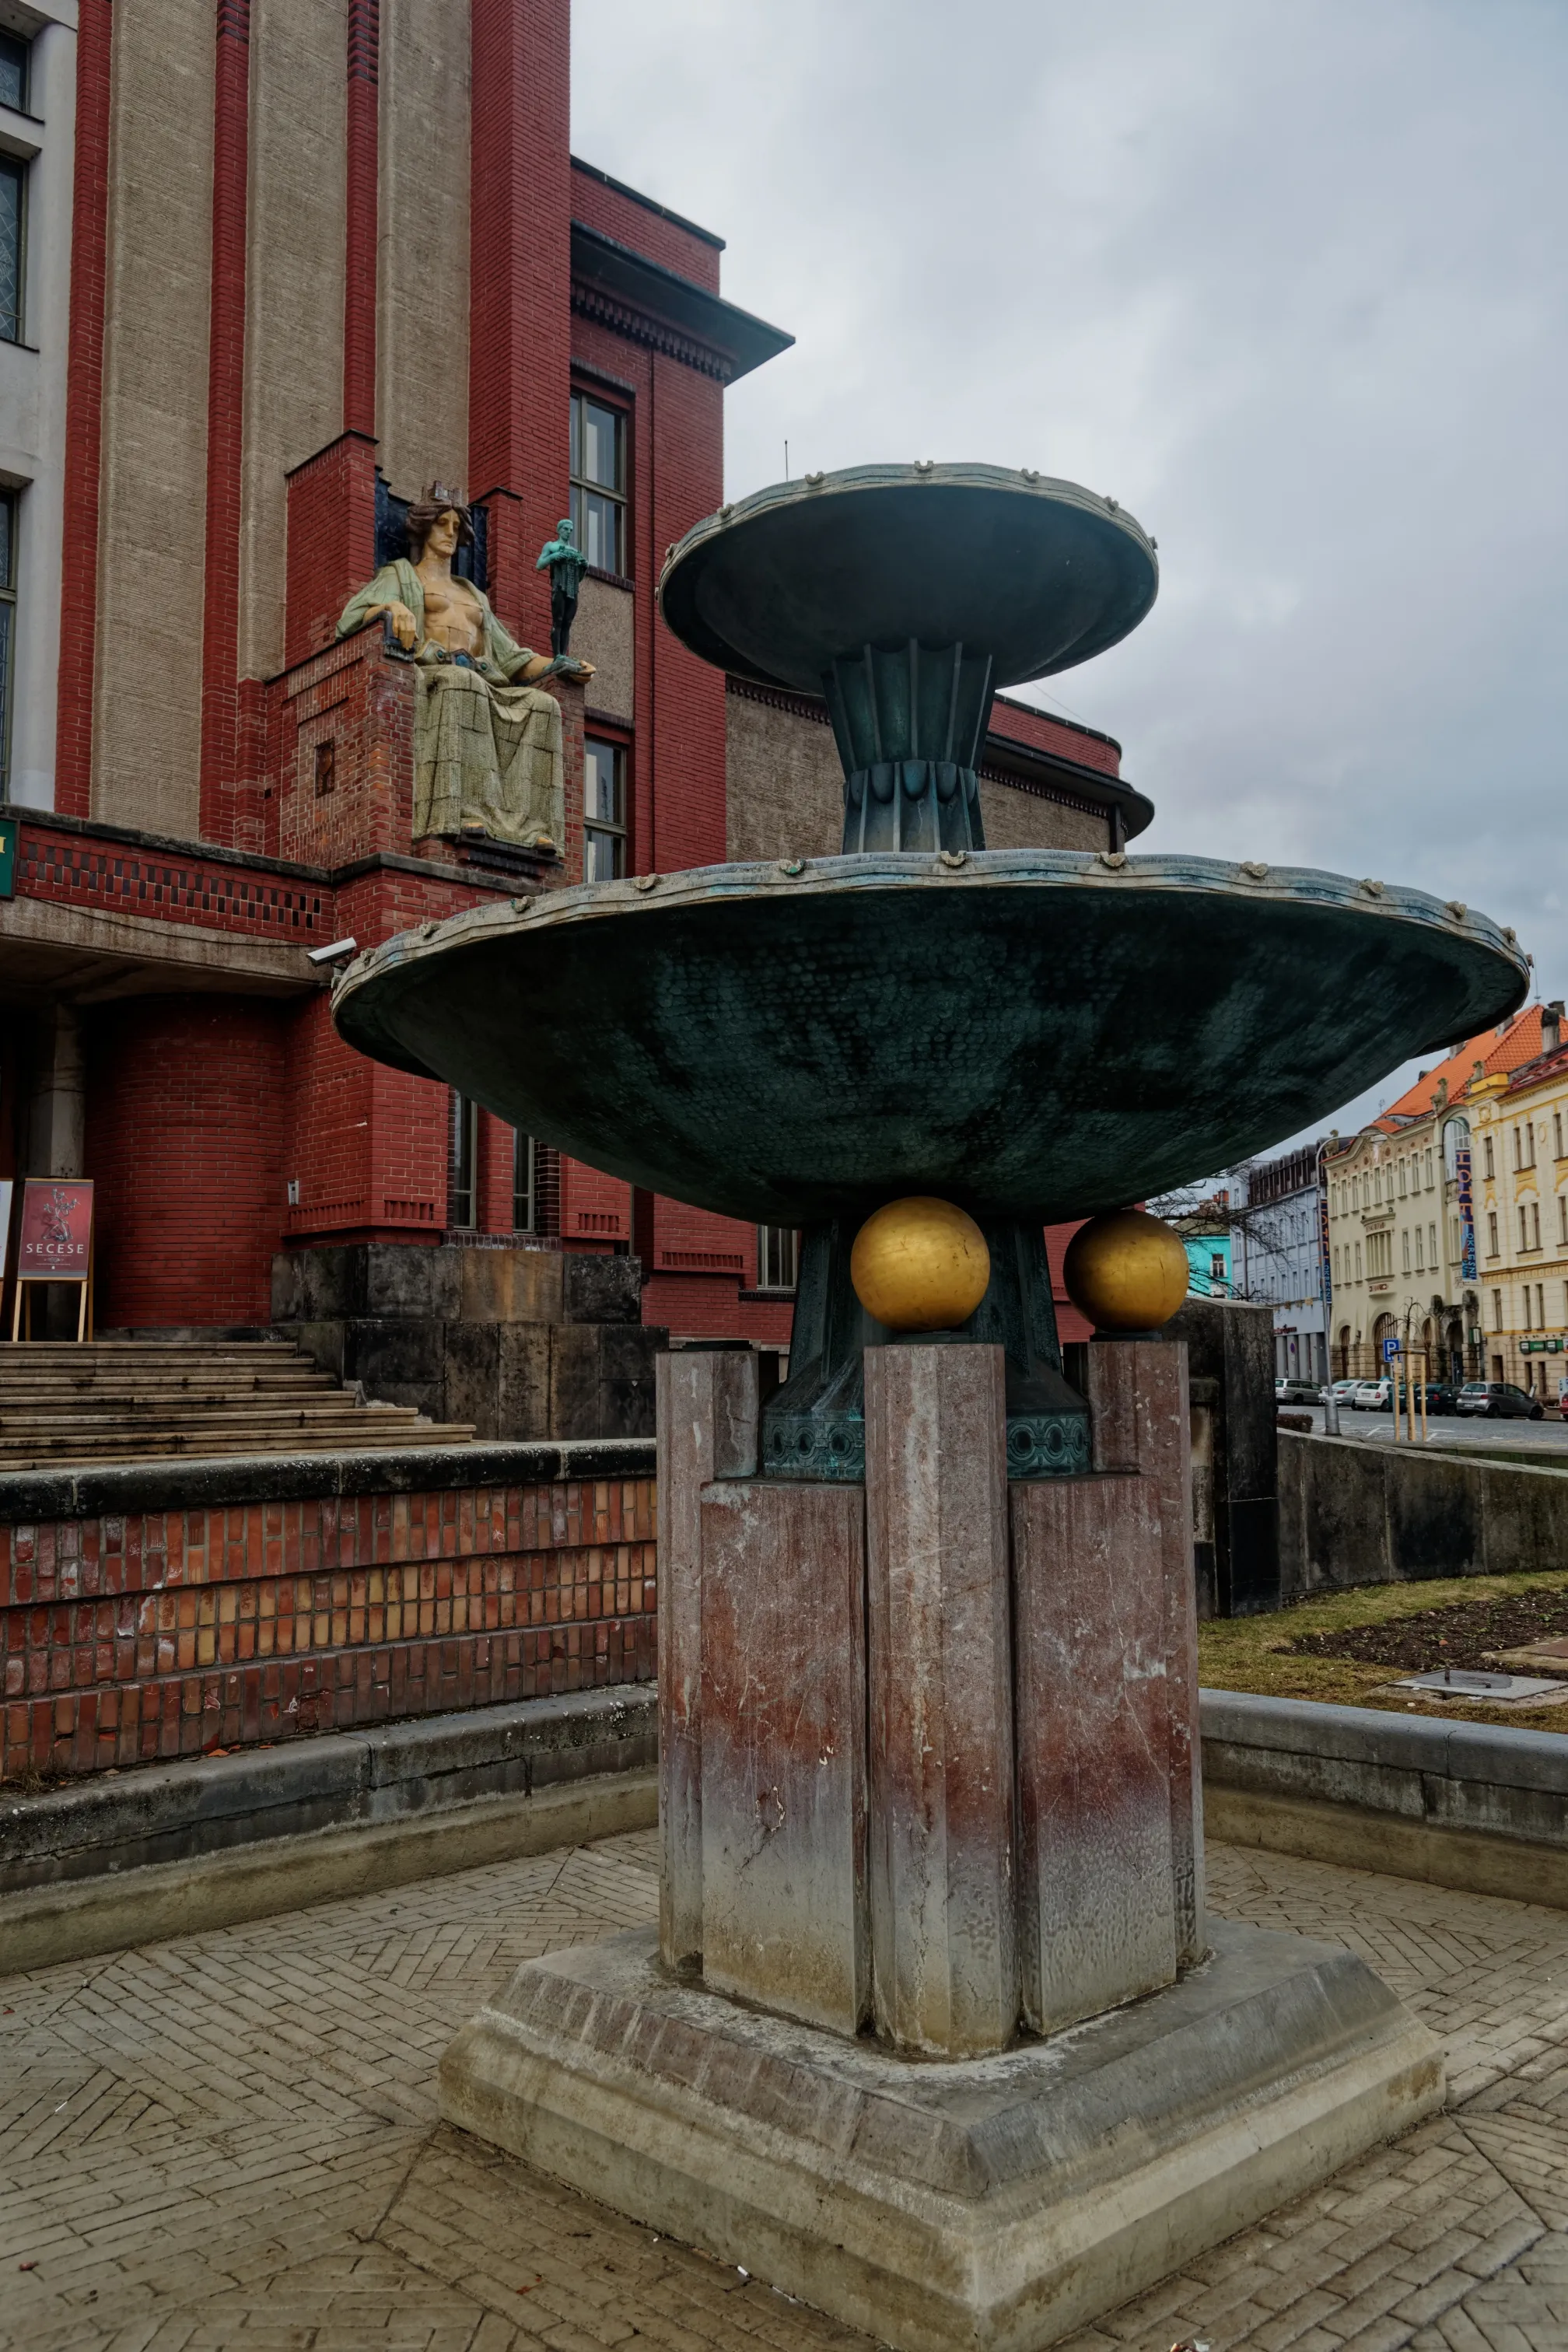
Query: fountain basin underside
(993, 2206)
(1032, 1033)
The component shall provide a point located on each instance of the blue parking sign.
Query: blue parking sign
(1390, 1348)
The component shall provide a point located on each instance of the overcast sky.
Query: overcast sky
(1286, 277)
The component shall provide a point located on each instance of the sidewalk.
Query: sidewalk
(230, 2141)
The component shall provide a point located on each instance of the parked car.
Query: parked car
(1344, 1393)
(1440, 1397)
(1298, 1392)
(1372, 1396)
(1563, 1396)
(1500, 1400)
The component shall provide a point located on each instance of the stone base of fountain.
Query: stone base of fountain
(934, 2034)
(998, 2203)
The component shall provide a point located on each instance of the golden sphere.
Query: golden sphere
(1126, 1271)
(920, 1264)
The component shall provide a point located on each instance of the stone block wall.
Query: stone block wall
(521, 1340)
(1350, 1513)
(136, 1625)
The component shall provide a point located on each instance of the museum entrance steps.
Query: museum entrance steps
(133, 1400)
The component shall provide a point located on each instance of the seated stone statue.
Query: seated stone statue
(487, 742)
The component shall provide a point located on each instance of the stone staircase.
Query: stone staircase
(137, 1401)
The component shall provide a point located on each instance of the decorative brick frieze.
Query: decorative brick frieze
(148, 1635)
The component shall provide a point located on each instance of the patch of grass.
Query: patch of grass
(1253, 1654)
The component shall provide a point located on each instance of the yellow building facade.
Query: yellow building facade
(1447, 1217)
(1521, 1156)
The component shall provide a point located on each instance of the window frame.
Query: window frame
(786, 1240)
(463, 1148)
(24, 43)
(524, 1185)
(618, 832)
(581, 488)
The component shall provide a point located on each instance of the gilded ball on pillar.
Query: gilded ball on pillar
(920, 1264)
(1126, 1271)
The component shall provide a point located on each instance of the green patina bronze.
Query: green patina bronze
(1037, 1035)
(907, 596)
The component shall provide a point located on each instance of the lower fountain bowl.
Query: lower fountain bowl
(1029, 1033)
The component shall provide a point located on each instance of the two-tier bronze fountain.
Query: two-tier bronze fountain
(934, 2032)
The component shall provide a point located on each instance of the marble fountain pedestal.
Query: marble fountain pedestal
(934, 2033)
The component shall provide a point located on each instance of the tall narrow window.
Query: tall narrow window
(524, 1184)
(15, 55)
(1562, 1219)
(1557, 1135)
(778, 1258)
(1496, 1310)
(7, 629)
(13, 245)
(1489, 1168)
(463, 1177)
(1535, 1225)
(599, 482)
(1432, 1245)
(1492, 1233)
(604, 809)
(1404, 1239)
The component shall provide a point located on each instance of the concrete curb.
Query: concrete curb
(1473, 1806)
(201, 1843)
(76, 1921)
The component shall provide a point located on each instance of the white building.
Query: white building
(1277, 1255)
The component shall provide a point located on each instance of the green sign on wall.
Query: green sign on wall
(7, 857)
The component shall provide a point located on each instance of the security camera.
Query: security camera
(330, 955)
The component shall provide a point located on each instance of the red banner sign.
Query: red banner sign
(56, 1230)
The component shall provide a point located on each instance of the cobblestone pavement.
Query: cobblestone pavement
(230, 2141)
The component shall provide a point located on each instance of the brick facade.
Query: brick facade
(130, 1638)
(251, 783)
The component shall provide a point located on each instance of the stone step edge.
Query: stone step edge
(194, 1482)
(79, 1921)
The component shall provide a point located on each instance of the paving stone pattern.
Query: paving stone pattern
(230, 2141)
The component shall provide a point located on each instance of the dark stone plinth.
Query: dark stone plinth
(521, 1341)
(993, 2204)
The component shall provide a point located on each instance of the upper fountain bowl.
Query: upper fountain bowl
(1036, 574)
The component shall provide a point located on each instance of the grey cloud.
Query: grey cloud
(1287, 279)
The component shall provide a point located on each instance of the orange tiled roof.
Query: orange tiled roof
(1499, 1052)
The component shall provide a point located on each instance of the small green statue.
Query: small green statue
(565, 562)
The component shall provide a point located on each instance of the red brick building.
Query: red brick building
(307, 257)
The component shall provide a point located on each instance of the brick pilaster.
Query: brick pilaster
(331, 540)
(226, 392)
(84, 411)
(520, 340)
(360, 226)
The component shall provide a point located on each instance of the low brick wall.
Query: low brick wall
(168, 1610)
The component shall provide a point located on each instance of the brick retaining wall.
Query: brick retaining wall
(291, 1598)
